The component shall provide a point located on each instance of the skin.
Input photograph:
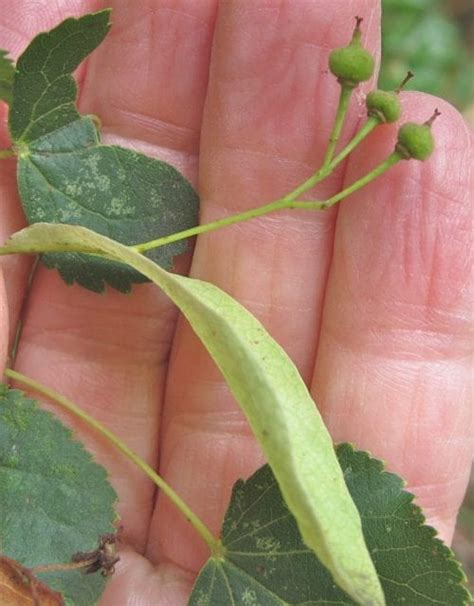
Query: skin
(371, 299)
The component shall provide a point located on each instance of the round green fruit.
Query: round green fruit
(351, 64)
(383, 105)
(415, 141)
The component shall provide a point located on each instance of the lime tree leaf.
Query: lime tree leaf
(273, 397)
(69, 177)
(65, 175)
(54, 500)
(6, 76)
(266, 561)
(44, 91)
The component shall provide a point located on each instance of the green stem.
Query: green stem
(325, 171)
(279, 204)
(201, 229)
(214, 544)
(342, 107)
(376, 172)
(6, 153)
(361, 134)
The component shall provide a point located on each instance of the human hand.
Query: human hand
(370, 300)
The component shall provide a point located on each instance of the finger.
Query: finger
(394, 373)
(268, 113)
(3, 325)
(109, 353)
(148, 80)
(137, 581)
(15, 268)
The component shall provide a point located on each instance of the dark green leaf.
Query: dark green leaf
(44, 91)
(267, 563)
(7, 71)
(69, 177)
(54, 500)
(65, 175)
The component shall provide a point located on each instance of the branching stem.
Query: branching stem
(290, 201)
(19, 326)
(325, 171)
(373, 174)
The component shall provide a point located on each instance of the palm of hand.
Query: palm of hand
(389, 269)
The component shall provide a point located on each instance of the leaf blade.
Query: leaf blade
(44, 91)
(273, 397)
(68, 176)
(54, 500)
(265, 556)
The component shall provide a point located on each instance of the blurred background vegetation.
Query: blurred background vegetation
(435, 40)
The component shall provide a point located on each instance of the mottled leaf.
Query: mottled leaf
(54, 500)
(6, 76)
(272, 395)
(267, 563)
(65, 175)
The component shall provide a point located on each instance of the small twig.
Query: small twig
(66, 566)
(103, 558)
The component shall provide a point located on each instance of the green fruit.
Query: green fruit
(383, 105)
(352, 64)
(416, 140)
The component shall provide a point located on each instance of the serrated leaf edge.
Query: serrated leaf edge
(418, 516)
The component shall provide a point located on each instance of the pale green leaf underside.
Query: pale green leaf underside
(272, 395)
(267, 563)
(65, 175)
(7, 71)
(54, 500)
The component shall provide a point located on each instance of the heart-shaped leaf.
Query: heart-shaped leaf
(65, 175)
(266, 562)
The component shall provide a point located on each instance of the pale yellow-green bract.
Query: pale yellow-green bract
(272, 395)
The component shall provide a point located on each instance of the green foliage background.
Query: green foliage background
(422, 36)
